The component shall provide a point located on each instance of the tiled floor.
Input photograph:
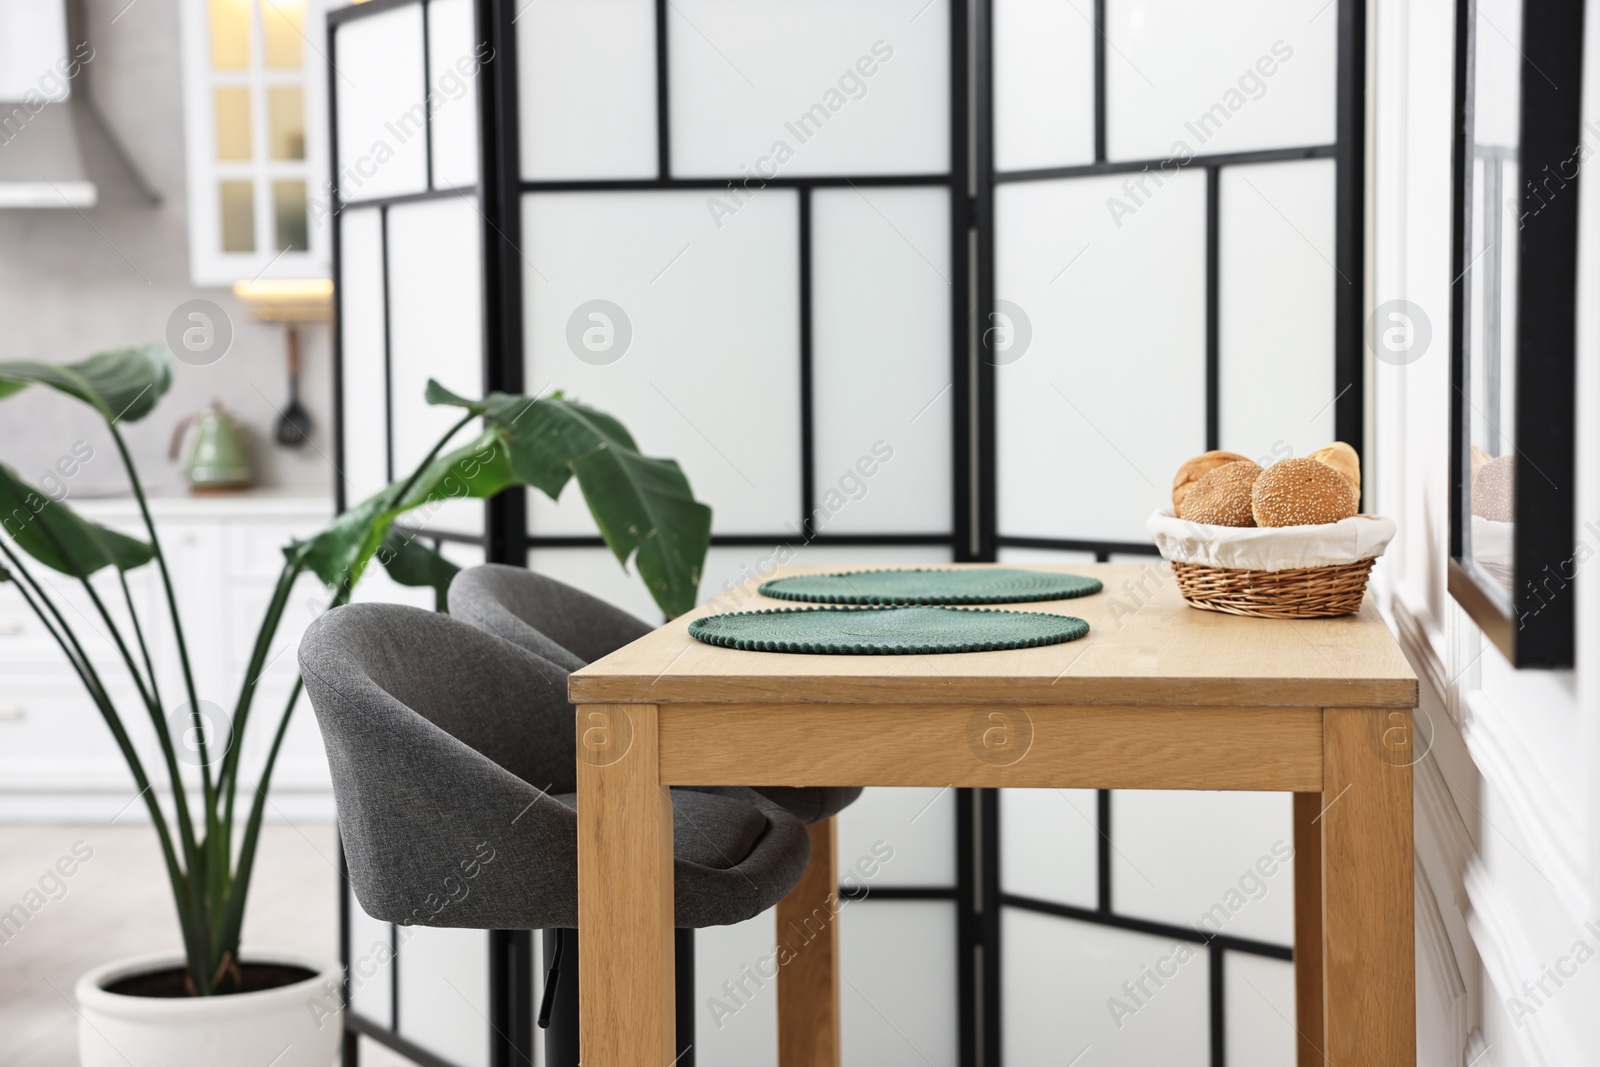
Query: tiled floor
(118, 905)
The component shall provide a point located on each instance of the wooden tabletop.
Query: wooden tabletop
(1145, 646)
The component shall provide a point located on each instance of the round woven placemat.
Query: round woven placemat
(885, 631)
(986, 585)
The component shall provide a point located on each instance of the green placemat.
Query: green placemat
(885, 631)
(986, 585)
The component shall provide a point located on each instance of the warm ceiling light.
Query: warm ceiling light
(289, 299)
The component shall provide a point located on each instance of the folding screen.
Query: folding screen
(1175, 267)
(408, 266)
(742, 245)
(770, 238)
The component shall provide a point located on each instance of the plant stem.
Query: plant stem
(227, 780)
(172, 608)
(138, 633)
(73, 650)
(233, 920)
(430, 457)
(196, 869)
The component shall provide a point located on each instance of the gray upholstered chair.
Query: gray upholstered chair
(570, 628)
(453, 761)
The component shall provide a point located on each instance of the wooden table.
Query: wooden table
(1158, 696)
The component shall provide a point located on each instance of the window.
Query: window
(254, 101)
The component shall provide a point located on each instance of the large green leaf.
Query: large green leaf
(641, 504)
(341, 551)
(56, 536)
(410, 562)
(122, 383)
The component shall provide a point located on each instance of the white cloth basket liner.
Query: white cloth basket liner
(1279, 548)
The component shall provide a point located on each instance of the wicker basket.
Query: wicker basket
(1306, 593)
(1291, 572)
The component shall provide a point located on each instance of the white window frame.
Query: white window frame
(208, 264)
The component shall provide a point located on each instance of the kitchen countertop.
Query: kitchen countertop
(178, 503)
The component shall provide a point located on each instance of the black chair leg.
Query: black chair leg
(561, 1038)
(683, 984)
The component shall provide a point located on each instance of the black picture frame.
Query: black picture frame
(1536, 627)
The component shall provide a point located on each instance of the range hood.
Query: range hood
(55, 149)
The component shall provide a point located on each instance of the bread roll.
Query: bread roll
(1494, 490)
(1480, 459)
(1222, 497)
(1195, 469)
(1301, 492)
(1342, 458)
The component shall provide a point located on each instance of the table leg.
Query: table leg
(625, 926)
(808, 982)
(1369, 958)
(1308, 928)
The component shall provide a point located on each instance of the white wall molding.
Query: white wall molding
(1548, 826)
(1448, 836)
(1510, 960)
(1435, 939)
(1422, 639)
(1436, 949)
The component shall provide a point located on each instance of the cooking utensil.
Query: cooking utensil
(294, 423)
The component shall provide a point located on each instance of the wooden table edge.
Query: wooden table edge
(1402, 693)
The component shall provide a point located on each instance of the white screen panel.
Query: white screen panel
(444, 992)
(1497, 61)
(435, 316)
(880, 301)
(1275, 308)
(453, 62)
(897, 965)
(1186, 79)
(736, 993)
(379, 92)
(727, 566)
(462, 554)
(586, 74)
(1220, 861)
(769, 88)
(899, 837)
(698, 344)
(596, 572)
(361, 338)
(1259, 1005)
(1043, 84)
(376, 587)
(1106, 398)
(371, 972)
(1049, 845)
(1061, 981)
(1042, 555)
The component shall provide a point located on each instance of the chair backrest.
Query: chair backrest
(445, 744)
(564, 625)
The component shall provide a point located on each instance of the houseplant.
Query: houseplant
(643, 506)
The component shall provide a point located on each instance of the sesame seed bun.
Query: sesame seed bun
(1222, 497)
(1342, 458)
(1195, 469)
(1301, 492)
(1494, 490)
(1480, 459)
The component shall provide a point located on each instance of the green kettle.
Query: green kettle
(217, 458)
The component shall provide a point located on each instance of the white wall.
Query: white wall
(1508, 842)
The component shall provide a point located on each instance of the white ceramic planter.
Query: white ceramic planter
(293, 1026)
